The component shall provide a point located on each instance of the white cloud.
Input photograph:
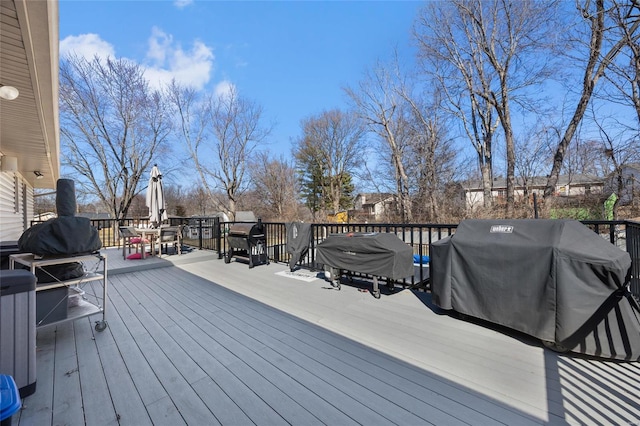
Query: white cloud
(181, 4)
(159, 44)
(165, 58)
(168, 60)
(86, 46)
(224, 89)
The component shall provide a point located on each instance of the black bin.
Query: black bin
(7, 248)
(18, 328)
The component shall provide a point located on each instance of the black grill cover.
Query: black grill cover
(378, 254)
(66, 197)
(64, 235)
(553, 279)
(298, 240)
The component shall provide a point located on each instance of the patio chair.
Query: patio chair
(130, 238)
(170, 235)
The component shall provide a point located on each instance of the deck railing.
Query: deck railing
(632, 235)
(210, 234)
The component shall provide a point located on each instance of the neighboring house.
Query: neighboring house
(95, 216)
(630, 184)
(196, 223)
(567, 186)
(373, 206)
(246, 216)
(43, 217)
(29, 124)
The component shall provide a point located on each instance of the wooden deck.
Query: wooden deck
(192, 340)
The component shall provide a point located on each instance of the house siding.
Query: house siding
(567, 186)
(16, 206)
(631, 184)
(375, 205)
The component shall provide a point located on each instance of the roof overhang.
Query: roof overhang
(29, 61)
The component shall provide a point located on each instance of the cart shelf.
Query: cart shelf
(92, 303)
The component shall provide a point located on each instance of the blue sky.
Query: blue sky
(291, 57)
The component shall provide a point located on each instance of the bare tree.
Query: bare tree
(603, 47)
(138, 206)
(429, 155)
(494, 48)
(618, 149)
(44, 203)
(275, 186)
(586, 157)
(190, 110)
(623, 74)
(328, 153)
(457, 67)
(112, 127)
(618, 144)
(533, 157)
(221, 133)
(199, 202)
(176, 200)
(380, 105)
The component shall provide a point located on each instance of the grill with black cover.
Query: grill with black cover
(247, 241)
(298, 240)
(65, 235)
(556, 280)
(376, 254)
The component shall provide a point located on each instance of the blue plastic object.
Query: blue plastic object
(416, 259)
(9, 397)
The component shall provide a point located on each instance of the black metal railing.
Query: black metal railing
(632, 236)
(108, 228)
(624, 234)
(209, 233)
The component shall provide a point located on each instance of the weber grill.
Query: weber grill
(553, 279)
(247, 241)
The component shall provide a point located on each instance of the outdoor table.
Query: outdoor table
(150, 234)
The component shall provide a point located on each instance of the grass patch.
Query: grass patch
(577, 213)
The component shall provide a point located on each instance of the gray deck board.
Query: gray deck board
(474, 364)
(289, 352)
(38, 408)
(315, 401)
(220, 403)
(276, 388)
(141, 374)
(439, 345)
(194, 341)
(129, 408)
(375, 402)
(164, 412)
(151, 318)
(169, 374)
(96, 399)
(365, 360)
(67, 395)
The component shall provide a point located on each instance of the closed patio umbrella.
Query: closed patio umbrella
(155, 198)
